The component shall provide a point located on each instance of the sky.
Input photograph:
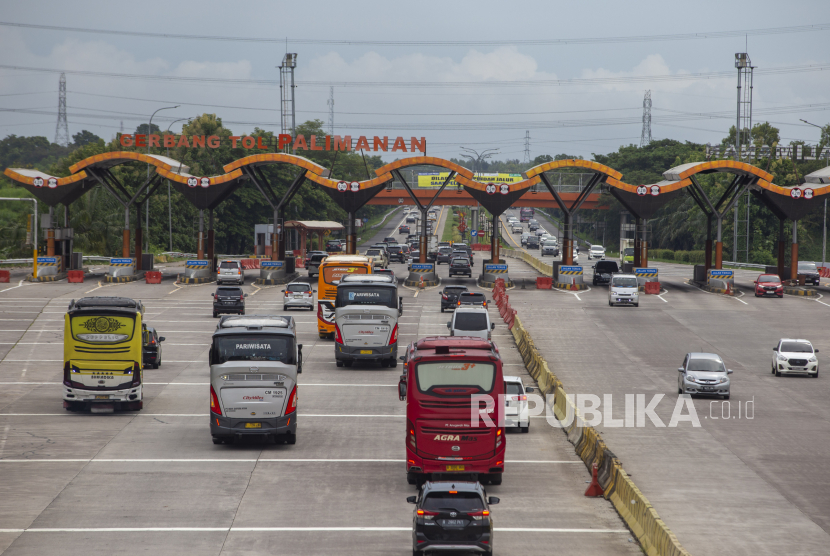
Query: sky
(481, 75)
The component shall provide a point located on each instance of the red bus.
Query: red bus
(525, 214)
(452, 386)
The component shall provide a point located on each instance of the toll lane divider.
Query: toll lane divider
(545, 269)
(655, 537)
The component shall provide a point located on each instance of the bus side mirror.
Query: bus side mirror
(161, 338)
(402, 391)
(493, 500)
(492, 326)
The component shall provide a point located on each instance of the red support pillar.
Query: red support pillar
(718, 255)
(125, 243)
(644, 255)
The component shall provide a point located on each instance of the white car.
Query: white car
(515, 403)
(596, 252)
(516, 228)
(623, 290)
(576, 255)
(471, 321)
(794, 356)
(230, 272)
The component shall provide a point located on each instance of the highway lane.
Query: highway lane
(153, 481)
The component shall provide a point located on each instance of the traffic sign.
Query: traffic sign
(474, 233)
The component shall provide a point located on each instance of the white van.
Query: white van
(624, 290)
(471, 321)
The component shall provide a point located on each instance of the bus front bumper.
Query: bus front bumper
(133, 394)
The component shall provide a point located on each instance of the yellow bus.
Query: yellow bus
(332, 269)
(102, 355)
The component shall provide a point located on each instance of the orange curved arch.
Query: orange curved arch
(422, 160)
(479, 186)
(332, 184)
(277, 158)
(30, 180)
(118, 157)
(214, 180)
(573, 163)
(732, 166)
(668, 188)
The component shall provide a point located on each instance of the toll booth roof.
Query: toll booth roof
(820, 176)
(314, 225)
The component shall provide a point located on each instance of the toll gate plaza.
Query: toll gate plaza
(745, 476)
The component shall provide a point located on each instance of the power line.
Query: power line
(478, 42)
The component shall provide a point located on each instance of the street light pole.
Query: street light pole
(147, 202)
(169, 206)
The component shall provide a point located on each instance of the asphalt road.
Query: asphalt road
(153, 482)
(752, 479)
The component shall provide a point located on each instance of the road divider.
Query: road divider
(656, 539)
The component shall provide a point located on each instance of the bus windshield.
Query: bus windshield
(253, 347)
(456, 373)
(362, 295)
(336, 272)
(103, 329)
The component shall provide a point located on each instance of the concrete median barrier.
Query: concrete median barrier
(272, 273)
(197, 271)
(75, 276)
(419, 271)
(4, 276)
(655, 538)
(152, 277)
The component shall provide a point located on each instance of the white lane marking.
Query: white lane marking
(19, 285)
(286, 529)
(3, 439)
(240, 460)
(664, 292)
(822, 302)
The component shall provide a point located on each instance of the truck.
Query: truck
(103, 363)
(453, 387)
(366, 311)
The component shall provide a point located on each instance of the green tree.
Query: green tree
(84, 138)
(764, 134)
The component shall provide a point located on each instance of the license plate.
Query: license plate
(453, 522)
(365, 352)
(455, 468)
(708, 388)
(102, 397)
(253, 425)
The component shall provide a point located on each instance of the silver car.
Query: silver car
(230, 272)
(298, 294)
(515, 403)
(704, 373)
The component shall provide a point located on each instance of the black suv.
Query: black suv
(452, 516)
(396, 254)
(449, 297)
(152, 348)
(229, 299)
(444, 255)
(461, 265)
(334, 246)
(403, 229)
(390, 239)
(603, 271)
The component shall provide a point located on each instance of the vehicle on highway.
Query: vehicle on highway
(366, 312)
(403, 229)
(449, 297)
(576, 254)
(405, 248)
(152, 348)
(313, 260)
(603, 271)
(526, 214)
(432, 248)
(410, 219)
(596, 252)
(769, 285)
(623, 290)
(332, 271)
(794, 357)
(230, 271)
(378, 257)
(334, 246)
(550, 247)
(254, 361)
(103, 355)
(460, 265)
(443, 376)
(228, 299)
(628, 255)
(540, 232)
(810, 272)
(414, 254)
(533, 225)
(452, 516)
(472, 298)
(444, 254)
(298, 294)
(390, 240)
(525, 235)
(444, 244)
(545, 237)
(471, 321)
(532, 242)
(703, 373)
(516, 228)
(459, 246)
(396, 254)
(515, 403)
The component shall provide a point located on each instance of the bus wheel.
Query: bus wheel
(495, 478)
(411, 478)
(347, 363)
(338, 363)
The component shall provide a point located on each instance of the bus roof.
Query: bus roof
(345, 259)
(105, 303)
(441, 345)
(369, 279)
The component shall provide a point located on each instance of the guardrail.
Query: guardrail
(656, 539)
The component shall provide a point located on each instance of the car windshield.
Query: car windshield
(317, 258)
(445, 250)
(629, 251)
(301, 287)
(470, 321)
(796, 347)
(550, 244)
(625, 282)
(769, 278)
(609, 266)
(455, 291)
(253, 347)
(597, 248)
(511, 388)
(228, 291)
(460, 261)
(472, 297)
(373, 252)
(233, 264)
(712, 365)
(456, 373)
(808, 266)
(461, 502)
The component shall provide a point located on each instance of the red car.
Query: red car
(769, 284)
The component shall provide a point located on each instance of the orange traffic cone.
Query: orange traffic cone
(573, 287)
(729, 288)
(594, 489)
(421, 283)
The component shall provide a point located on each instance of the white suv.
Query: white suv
(230, 271)
(623, 290)
(515, 403)
(596, 252)
(471, 321)
(794, 356)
